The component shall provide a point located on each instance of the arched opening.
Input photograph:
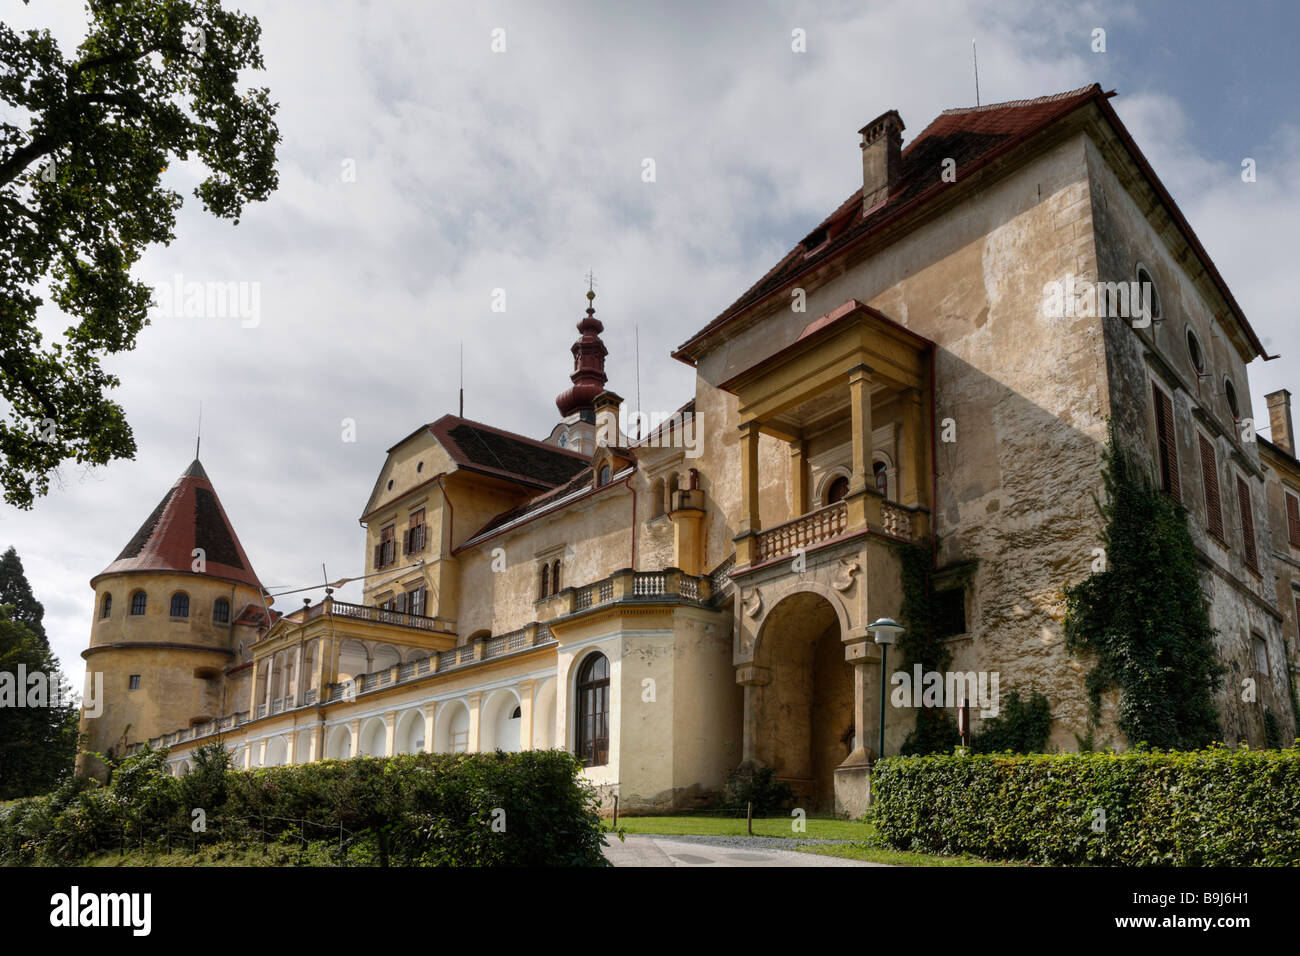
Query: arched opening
(881, 472)
(410, 733)
(657, 498)
(837, 490)
(304, 747)
(221, 611)
(452, 734)
(277, 752)
(500, 722)
(107, 607)
(374, 738)
(544, 717)
(544, 589)
(138, 602)
(555, 576)
(804, 716)
(338, 743)
(670, 491)
(354, 659)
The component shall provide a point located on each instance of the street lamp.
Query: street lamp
(886, 631)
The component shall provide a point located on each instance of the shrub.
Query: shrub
(1022, 727)
(750, 783)
(1211, 807)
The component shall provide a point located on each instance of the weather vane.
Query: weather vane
(591, 281)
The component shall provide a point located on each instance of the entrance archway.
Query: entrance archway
(804, 714)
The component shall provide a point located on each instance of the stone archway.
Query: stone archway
(802, 714)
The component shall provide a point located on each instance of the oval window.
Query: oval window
(1148, 295)
(1195, 353)
(1230, 393)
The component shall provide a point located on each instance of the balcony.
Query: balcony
(379, 615)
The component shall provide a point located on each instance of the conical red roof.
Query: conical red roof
(190, 516)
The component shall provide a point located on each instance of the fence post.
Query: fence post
(616, 811)
(749, 817)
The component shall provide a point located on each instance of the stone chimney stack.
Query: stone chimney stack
(607, 404)
(1279, 417)
(882, 152)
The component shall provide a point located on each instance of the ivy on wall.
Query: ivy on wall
(1144, 616)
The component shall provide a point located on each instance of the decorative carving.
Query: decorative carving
(752, 603)
(842, 579)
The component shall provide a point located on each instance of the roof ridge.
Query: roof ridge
(1014, 104)
(539, 443)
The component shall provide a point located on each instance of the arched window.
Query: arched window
(138, 600)
(545, 589)
(882, 478)
(657, 498)
(107, 607)
(221, 611)
(838, 490)
(1148, 296)
(602, 478)
(555, 576)
(672, 490)
(593, 711)
(180, 605)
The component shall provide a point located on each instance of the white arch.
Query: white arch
(304, 746)
(383, 656)
(277, 752)
(338, 744)
(374, 738)
(544, 716)
(452, 733)
(410, 732)
(498, 727)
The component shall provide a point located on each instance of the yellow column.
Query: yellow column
(354, 729)
(299, 684)
(390, 733)
(252, 693)
(749, 524)
(526, 689)
(860, 412)
(430, 709)
(475, 699)
(261, 752)
(798, 478)
(291, 747)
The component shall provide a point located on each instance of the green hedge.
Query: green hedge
(1211, 807)
(491, 809)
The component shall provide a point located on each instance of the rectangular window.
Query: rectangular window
(1260, 647)
(415, 536)
(399, 603)
(415, 601)
(386, 550)
(1293, 519)
(133, 682)
(1168, 444)
(1247, 524)
(950, 611)
(1213, 499)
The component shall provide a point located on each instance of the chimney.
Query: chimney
(607, 404)
(1279, 417)
(882, 151)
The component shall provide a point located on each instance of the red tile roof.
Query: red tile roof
(972, 136)
(492, 451)
(190, 516)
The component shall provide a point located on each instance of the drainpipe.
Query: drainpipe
(628, 482)
(934, 466)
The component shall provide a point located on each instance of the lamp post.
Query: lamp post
(886, 631)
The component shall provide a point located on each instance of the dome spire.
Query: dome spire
(588, 363)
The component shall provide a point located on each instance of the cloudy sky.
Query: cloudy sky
(521, 170)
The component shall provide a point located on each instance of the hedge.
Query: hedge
(489, 809)
(1212, 807)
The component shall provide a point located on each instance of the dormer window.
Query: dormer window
(602, 476)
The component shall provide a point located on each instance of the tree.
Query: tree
(81, 198)
(17, 593)
(37, 743)
(1144, 615)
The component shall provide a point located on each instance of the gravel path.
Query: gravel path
(644, 850)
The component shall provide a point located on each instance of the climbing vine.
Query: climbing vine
(1143, 615)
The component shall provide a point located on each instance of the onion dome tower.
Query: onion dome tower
(171, 613)
(588, 368)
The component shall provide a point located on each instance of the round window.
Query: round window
(1148, 296)
(1194, 351)
(1230, 393)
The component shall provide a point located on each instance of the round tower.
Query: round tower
(167, 613)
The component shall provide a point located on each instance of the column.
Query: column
(261, 752)
(291, 747)
(915, 467)
(749, 524)
(252, 691)
(860, 413)
(430, 710)
(270, 684)
(299, 690)
(475, 699)
(354, 729)
(798, 478)
(390, 733)
(526, 689)
(753, 678)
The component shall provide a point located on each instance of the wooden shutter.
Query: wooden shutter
(1293, 519)
(1210, 481)
(1168, 444)
(1247, 524)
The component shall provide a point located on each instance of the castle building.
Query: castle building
(934, 363)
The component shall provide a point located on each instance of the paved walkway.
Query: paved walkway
(694, 851)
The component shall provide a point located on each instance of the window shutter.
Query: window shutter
(1247, 524)
(1210, 481)
(1168, 444)
(1293, 519)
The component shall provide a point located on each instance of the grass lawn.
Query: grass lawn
(818, 828)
